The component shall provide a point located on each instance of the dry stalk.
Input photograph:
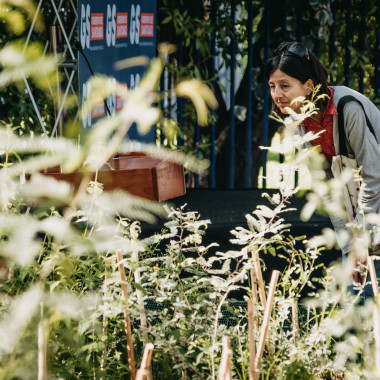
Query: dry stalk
(144, 370)
(251, 337)
(267, 314)
(127, 320)
(225, 364)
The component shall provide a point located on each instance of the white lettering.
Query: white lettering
(111, 25)
(85, 26)
(134, 31)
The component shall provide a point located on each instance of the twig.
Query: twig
(225, 364)
(267, 314)
(251, 337)
(144, 369)
(127, 320)
(295, 320)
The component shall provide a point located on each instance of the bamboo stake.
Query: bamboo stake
(225, 364)
(254, 293)
(372, 274)
(42, 347)
(376, 314)
(144, 369)
(105, 318)
(251, 337)
(127, 320)
(260, 281)
(267, 314)
(139, 294)
(295, 320)
(253, 282)
(376, 333)
(183, 371)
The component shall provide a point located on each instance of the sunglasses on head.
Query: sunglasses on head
(295, 48)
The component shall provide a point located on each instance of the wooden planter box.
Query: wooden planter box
(136, 173)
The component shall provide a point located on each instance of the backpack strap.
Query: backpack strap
(342, 102)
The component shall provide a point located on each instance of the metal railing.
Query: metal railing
(345, 51)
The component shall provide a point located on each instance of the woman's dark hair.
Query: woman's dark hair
(295, 60)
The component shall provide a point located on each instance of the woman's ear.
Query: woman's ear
(309, 86)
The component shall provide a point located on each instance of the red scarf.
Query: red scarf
(325, 140)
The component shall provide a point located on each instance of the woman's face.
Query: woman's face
(284, 88)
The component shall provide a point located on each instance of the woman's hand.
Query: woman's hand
(359, 261)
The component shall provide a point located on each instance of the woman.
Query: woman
(292, 72)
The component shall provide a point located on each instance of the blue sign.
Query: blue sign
(110, 31)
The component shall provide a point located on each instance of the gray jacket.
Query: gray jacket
(361, 145)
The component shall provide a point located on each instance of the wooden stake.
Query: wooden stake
(42, 343)
(376, 313)
(182, 311)
(127, 320)
(376, 333)
(225, 364)
(139, 294)
(260, 281)
(144, 369)
(373, 276)
(295, 320)
(251, 338)
(105, 318)
(253, 283)
(267, 314)
(254, 293)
